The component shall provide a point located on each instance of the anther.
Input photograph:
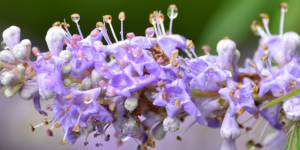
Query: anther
(238, 85)
(31, 127)
(76, 127)
(252, 64)
(122, 16)
(58, 126)
(107, 18)
(68, 108)
(63, 143)
(240, 111)
(65, 24)
(179, 74)
(231, 93)
(255, 88)
(263, 16)
(151, 19)
(137, 52)
(164, 95)
(284, 5)
(281, 91)
(177, 103)
(80, 54)
(49, 132)
(256, 115)
(99, 26)
(56, 24)
(264, 58)
(179, 138)
(189, 43)
(112, 106)
(150, 31)
(255, 24)
(69, 96)
(161, 84)
(36, 51)
(88, 99)
(111, 91)
(45, 122)
(264, 46)
(205, 49)
(292, 82)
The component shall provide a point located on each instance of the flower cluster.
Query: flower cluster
(143, 88)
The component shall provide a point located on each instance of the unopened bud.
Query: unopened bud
(66, 54)
(158, 132)
(171, 124)
(96, 78)
(230, 129)
(7, 57)
(20, 51)
(7, 78)
(226, 50)
(66, 69)
(87, 83)
(131, 103)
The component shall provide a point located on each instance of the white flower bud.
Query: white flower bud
(67, 82)
(20, 51)
(158, 132)
(11, 36)
(12, 90)
(7, 57)
(171, 124)
(55, 39)
(66, 54)
(7, 78)
(131, 103)
(290, 44)
(96, 78)
(29, 90)
(226, 51)
(230, 129)
(87, 83)
(66, 69)
(27, 43)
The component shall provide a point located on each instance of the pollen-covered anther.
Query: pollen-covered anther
(177, 103)
(58, 126)
(179, 138)
(252, 64)
(179, 74)
(107, 18)
(255, 24)
(164, 95)
(65, 24)
(161, 17)
(240, 111)
(255, 88)
(205, 48)
(281, 91)
(226, 38)
(264, 46)
(63, 143)
(31, 127)
(88, 98)
(152, 19)
(45, 122)
(189, 43)
(47, 56)
(292, 82)
(211, 69)
(57, 23)
(239, 85)
(256, 115)
(68, 108)
(231, 93)
(264, 57)
(284, 5)
(99, 25)
(263, 16)
(76, 127)
(161, 84)
(69, 96)
(122, 16)
(173, 55)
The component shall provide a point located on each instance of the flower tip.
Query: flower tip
(263, 16)
(122, 16)
(179, 138)
(284, 5)
(65, 24)
(226, 38)
(255, 24)
(173, 6)
(107, 18)
(189, 43)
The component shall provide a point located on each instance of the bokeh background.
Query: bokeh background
(203, 21)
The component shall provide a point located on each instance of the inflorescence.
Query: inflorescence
(143, 88)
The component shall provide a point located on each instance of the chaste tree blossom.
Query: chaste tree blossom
(143, 88)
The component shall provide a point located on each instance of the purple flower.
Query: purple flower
(230, 129)
(239, 97)
(272, 114)
(168, 43)
(228, 145)
(174, 97)
(291, 107)
(275, 141)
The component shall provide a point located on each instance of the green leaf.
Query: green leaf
(297, 138)
(284, 97)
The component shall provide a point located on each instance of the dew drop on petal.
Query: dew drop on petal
(4, 45)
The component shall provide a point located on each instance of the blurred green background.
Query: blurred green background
(203, 21)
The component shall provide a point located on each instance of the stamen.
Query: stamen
(255, 88)
(284, 8)
(69, 96)
(66, 25)
(56, 24)
(162, 18)
(76, 127)
(111, 91)
(250, 127)
(130, 35)
(161, 84)
(179, 137)
(231, 93)
(75, 18)
(172, 13)
(164, 95)
(100, 26)
(63, 142)
(177, 103)
(262, 133)
(264, 58)
(265, 20)
(102, 85)
(88, 99)
(190, 45)
(152, 21)
(292, 82)
(256, 27)
(253, 134)
(31, 128)
(253, 65)
(240, 111)
(205, 49)
(281, 91)
(179, 74)
(149, 32)
(238, 85)
(156, 15)
(122, 18)
(108, 19)
(49, 132)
